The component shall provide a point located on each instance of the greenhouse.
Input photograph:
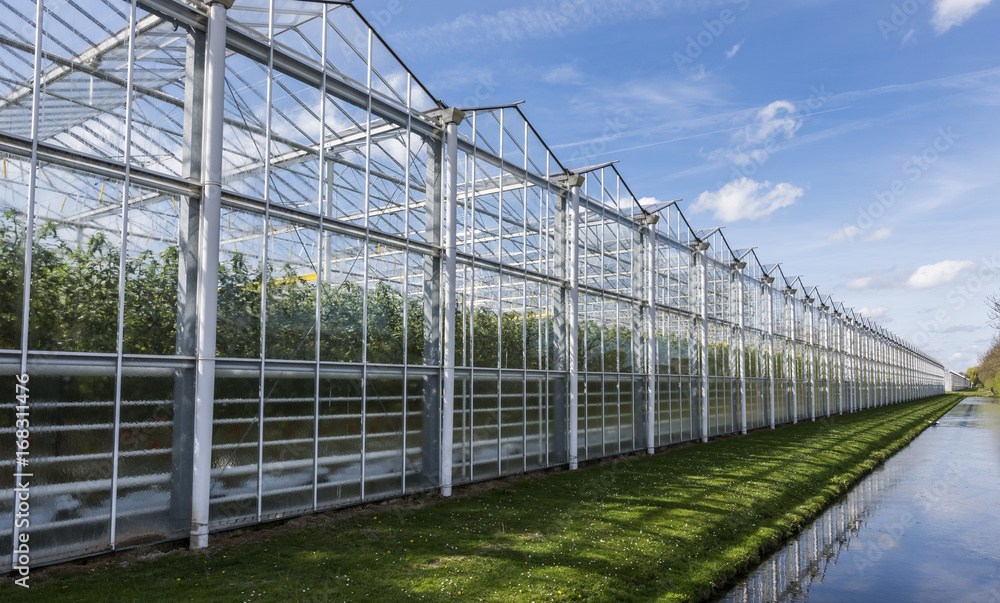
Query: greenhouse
(252, 268)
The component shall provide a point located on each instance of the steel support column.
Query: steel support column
(208, 269)
(649, 278)
(794, 369)
(770, 346)
(701, 257)
(431, 452)
(573, 315)
(450, 118)
(810, 364)
(741, 360)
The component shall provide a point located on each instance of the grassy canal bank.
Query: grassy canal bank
(670, 527)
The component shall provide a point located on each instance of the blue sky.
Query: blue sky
(855, 141)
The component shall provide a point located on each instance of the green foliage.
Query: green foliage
(150, 324)
(291, 317)
(74, 293)
(989, 366)
(385, 324)
(11, 269)
(74, 307)
(973, 374)
(238, 334)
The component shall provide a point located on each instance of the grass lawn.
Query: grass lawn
(978, 393)
(670, 527)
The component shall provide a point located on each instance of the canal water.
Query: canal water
(923, 527)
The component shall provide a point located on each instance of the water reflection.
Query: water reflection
(789, 573)
(923, 527)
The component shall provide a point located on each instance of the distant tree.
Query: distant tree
(973, 374)
(993, 309)
(989, 365)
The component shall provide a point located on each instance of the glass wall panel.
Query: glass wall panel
(8, 443)
(422, 437)
(416, 208)
(485, 426)
(384, 437)
(74, 269)
(287, 447)
(241, 243)
(295, 129)
(158, 94)
(235, 446)
(486, 318)
(513, 428)
(386, 272)
(512, 322)
(423, 317)
(535, 328)
(72, 427)
(387, 187)
(629, 418)
(290, 330)
(155, 445)
(345, 136)
(338, 455)
(612, 415)
(462, 432)
(18, 65)
(689, 409)
(13, 228)
(342, 299)
(84, 110)
(244, 145)
(536, 421)
(594, 396)
(152, 274)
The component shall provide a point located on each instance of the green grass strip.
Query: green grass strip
(671, 527)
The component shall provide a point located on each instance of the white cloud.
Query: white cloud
(933, 275)
(545, 19)
(753, 142)
(777, 118)
(873, 279)
(949, 13)
(736, 48)
(851, 232)
(564, 74)
(862, 282)
(879, 235)
(747, 199)
(877, 313)
(848, 232)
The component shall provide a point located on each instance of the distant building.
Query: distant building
(954, 382)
